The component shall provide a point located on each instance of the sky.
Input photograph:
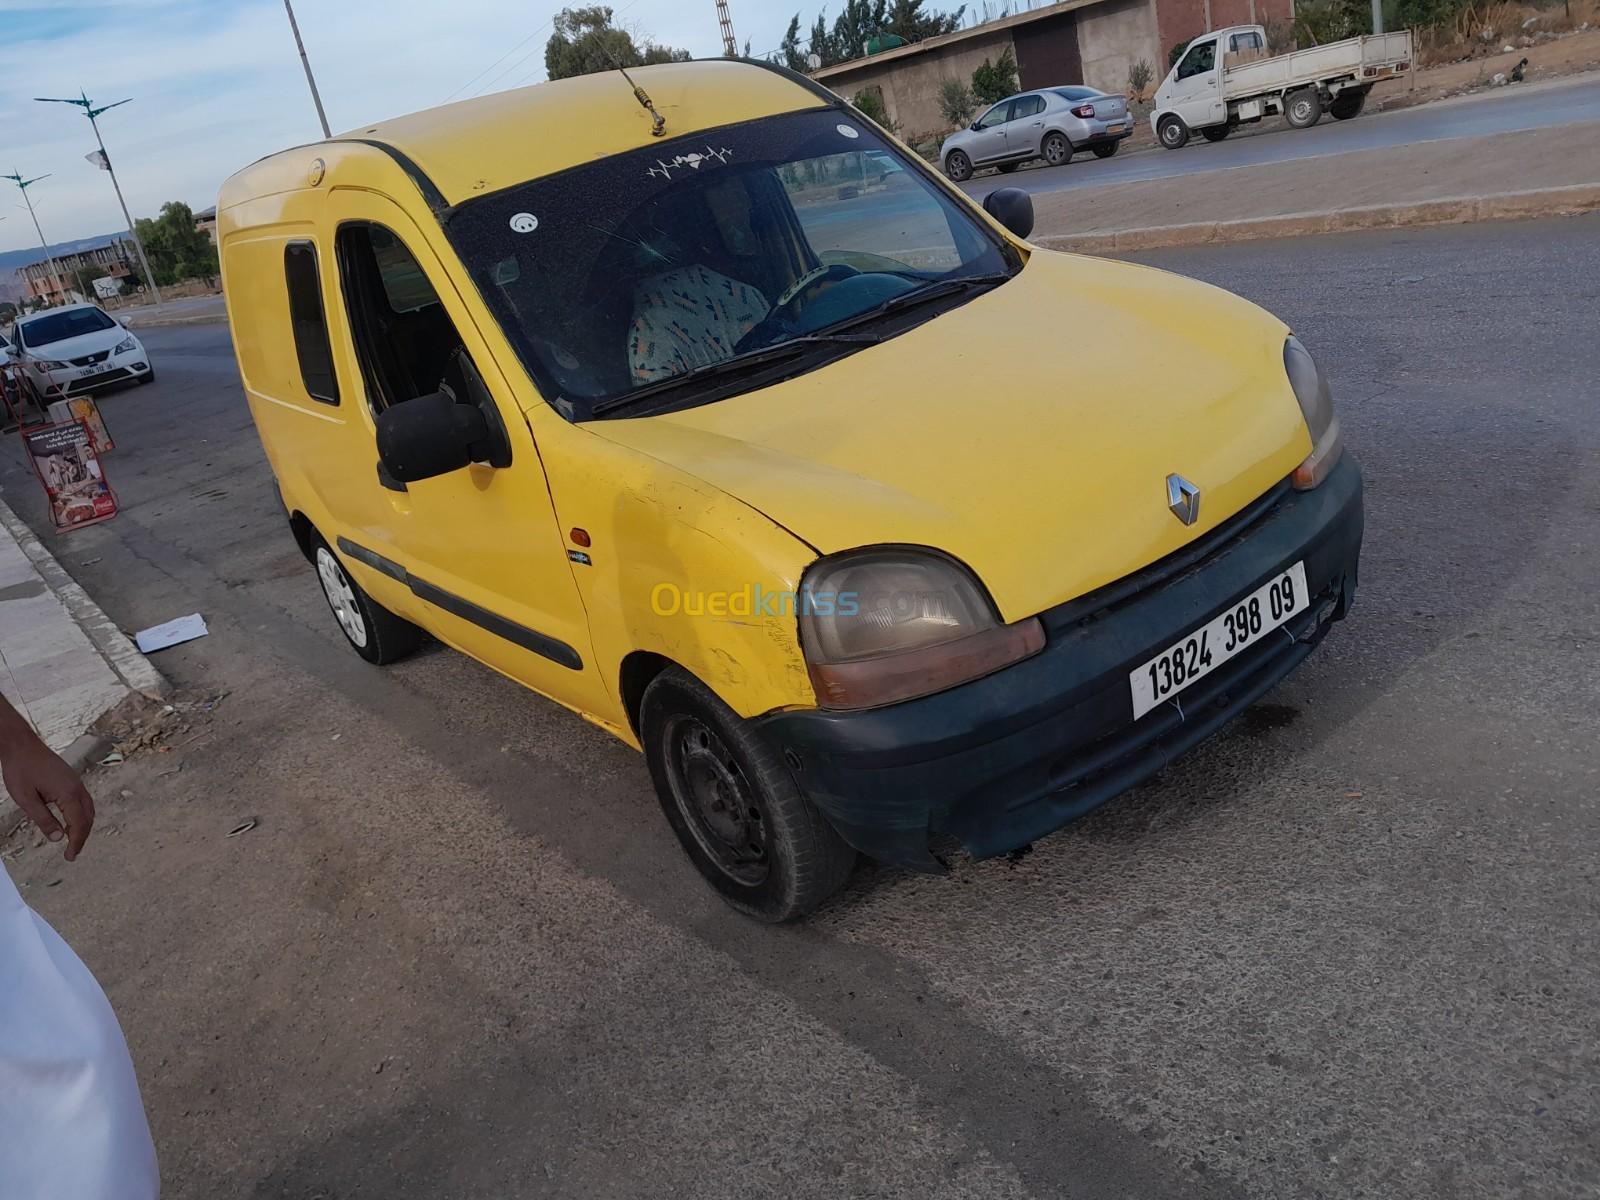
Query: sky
(216, 84)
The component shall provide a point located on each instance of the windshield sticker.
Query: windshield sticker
(694, 160)
(524, 223)
(849, 131)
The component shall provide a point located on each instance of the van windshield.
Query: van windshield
(702, 266)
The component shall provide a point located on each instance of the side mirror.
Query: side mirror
(1013, 208)
(431, 435)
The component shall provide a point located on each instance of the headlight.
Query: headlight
(1316, 402)
(50, 364)
(125, 345)
(879, 626)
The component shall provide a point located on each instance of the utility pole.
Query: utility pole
(305, 62)
(1377, 16)
(23, 184)
(90, 111)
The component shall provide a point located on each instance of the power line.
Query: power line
(493, 65)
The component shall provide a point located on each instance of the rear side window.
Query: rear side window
(1244, 42)
(309, 322)
(1028, 106)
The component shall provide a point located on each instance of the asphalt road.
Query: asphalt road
(1346, 949)
(1535, 106)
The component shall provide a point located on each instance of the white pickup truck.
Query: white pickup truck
(1225, 78)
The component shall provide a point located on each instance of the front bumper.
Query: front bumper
(1006, 759)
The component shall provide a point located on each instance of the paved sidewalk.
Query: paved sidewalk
(186, 310)
(62, 661)
(1541, 172)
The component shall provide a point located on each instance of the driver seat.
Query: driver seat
(686, 318)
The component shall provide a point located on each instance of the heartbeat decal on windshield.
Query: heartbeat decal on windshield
(693, 160)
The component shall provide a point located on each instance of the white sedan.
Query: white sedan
(74, 349)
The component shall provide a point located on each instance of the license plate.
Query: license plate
(1117, 128)
(1192, 658)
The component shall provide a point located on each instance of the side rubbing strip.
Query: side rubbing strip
(521, 635)
(376, 561)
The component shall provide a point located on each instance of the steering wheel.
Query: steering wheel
(783, 317)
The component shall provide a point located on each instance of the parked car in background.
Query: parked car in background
(1051, 123)
(74, 349)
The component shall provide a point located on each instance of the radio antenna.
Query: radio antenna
(658, 123)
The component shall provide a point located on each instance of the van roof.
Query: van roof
(477, 146)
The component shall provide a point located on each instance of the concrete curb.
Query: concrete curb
(132, 667)
(161, 322)
(1454, 210)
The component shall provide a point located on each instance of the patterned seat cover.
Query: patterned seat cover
(687, 318)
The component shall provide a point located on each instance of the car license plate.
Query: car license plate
(1244, 624)
(1117, 128)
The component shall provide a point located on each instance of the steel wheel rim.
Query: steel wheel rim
(341, 597)
(1302, 110)
(717, 802)
(1169, 133)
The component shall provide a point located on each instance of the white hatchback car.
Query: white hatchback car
(74, 349)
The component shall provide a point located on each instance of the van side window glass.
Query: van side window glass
(309, 323)
(405, 341)
(1028, 106)
(1199, 60)
(1244, 41)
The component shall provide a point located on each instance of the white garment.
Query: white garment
(72, 1126)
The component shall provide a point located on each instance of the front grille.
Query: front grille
(89, 360)
(1164, 570)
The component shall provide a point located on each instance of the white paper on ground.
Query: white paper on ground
(170, 633)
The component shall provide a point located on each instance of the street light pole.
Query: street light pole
(90, 111)
(23, 184)
(305, 62)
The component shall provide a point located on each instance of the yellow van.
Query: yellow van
(697, 404)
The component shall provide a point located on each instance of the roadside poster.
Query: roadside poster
(83, 408)
(65, 459)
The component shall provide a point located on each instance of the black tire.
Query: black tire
(1348, 104)
(1106, 149)
(1056, 150)
(737, 811)
(1303, 109)
(372, 630)
(1173, 133)
(1215, 133)
(958, 166)
(148, 377)
(1007, 168)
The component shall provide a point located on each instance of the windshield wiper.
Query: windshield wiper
(916, 297)
(739, 364)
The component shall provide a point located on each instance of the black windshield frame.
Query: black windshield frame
(478, 230)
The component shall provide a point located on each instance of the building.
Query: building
(1072, 41)
(79, 270)
(205, 221)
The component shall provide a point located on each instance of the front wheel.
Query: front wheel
(735, 808)
(1303, 109)
(1215, 133)
(1057, 150)
(372, 630)
(958, 166)
(148, 377)
(1174, 134)
(1106, 149)
(1006, 168)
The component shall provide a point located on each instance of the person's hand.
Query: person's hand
(38, 781)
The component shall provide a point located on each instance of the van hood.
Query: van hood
(1028, 433)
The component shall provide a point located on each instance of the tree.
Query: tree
(858, 23)
(583, 41)
(870, 102)
(956, 101)
(175, 248)
(993, 82)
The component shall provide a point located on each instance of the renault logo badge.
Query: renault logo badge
(1183, 498)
